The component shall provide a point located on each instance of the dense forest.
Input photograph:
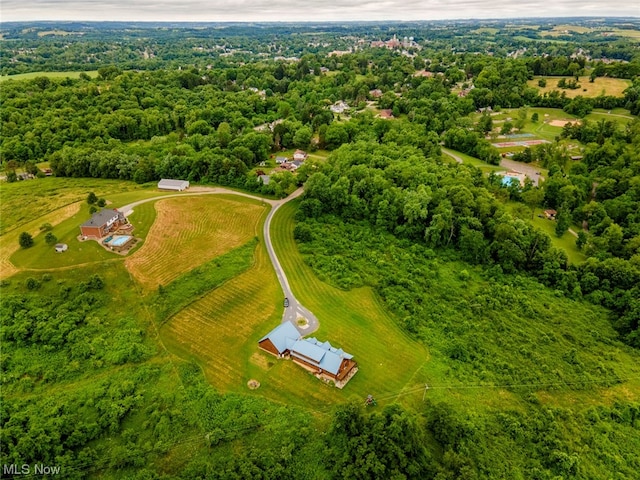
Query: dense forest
(448, 249)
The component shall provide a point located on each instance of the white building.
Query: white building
(168, 184)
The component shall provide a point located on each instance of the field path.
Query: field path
(452, 155)
(295, 310)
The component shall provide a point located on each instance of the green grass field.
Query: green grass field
(32, 75)
(45, 195)
(619, 115)
(389, 361)
(236, 315)
(600, 86)
(43, 256)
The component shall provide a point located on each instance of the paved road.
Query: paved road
(295, 309)
(128, 209)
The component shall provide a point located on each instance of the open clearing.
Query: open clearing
(31, 75)
(221, 330)
(190, 231)
(600, 86)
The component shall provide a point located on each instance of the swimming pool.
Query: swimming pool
(108, 239)
(119, 241)
(508, 180)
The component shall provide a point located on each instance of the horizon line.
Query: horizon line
(396, 20)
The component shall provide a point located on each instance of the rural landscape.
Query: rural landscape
(355, 250)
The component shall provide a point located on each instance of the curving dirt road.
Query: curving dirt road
(295, 310)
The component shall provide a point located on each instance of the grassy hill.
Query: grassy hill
(125, 382)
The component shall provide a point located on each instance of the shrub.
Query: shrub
(32, 283)
(92, 198)
(25, 240)
(102, 202)
(50, 238)
(45, 227)
(96, 282)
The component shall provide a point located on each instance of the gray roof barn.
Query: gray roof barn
(169, 184)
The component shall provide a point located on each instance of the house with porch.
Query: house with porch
(322, 359)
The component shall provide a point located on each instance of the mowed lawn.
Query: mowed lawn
(190, 231)
(66, 228)
(566, 242)
(389, 361)
(43, 256)
(24, 201)
(9, 241)
(220, 331)
(600, 86)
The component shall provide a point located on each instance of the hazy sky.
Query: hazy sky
(306, 10)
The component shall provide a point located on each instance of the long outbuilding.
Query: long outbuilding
(170, 184)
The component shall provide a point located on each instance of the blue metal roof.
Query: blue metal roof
(283, 336)
(309, 350)
(327, 357)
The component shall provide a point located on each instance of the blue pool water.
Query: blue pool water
(507, 180)
(118, 241)
(108, 239)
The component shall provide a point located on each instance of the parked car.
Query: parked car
(286, 302)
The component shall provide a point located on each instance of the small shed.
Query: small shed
(61, 247)
(169, 184)
(281, 160)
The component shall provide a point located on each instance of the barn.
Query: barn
(169, 184)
